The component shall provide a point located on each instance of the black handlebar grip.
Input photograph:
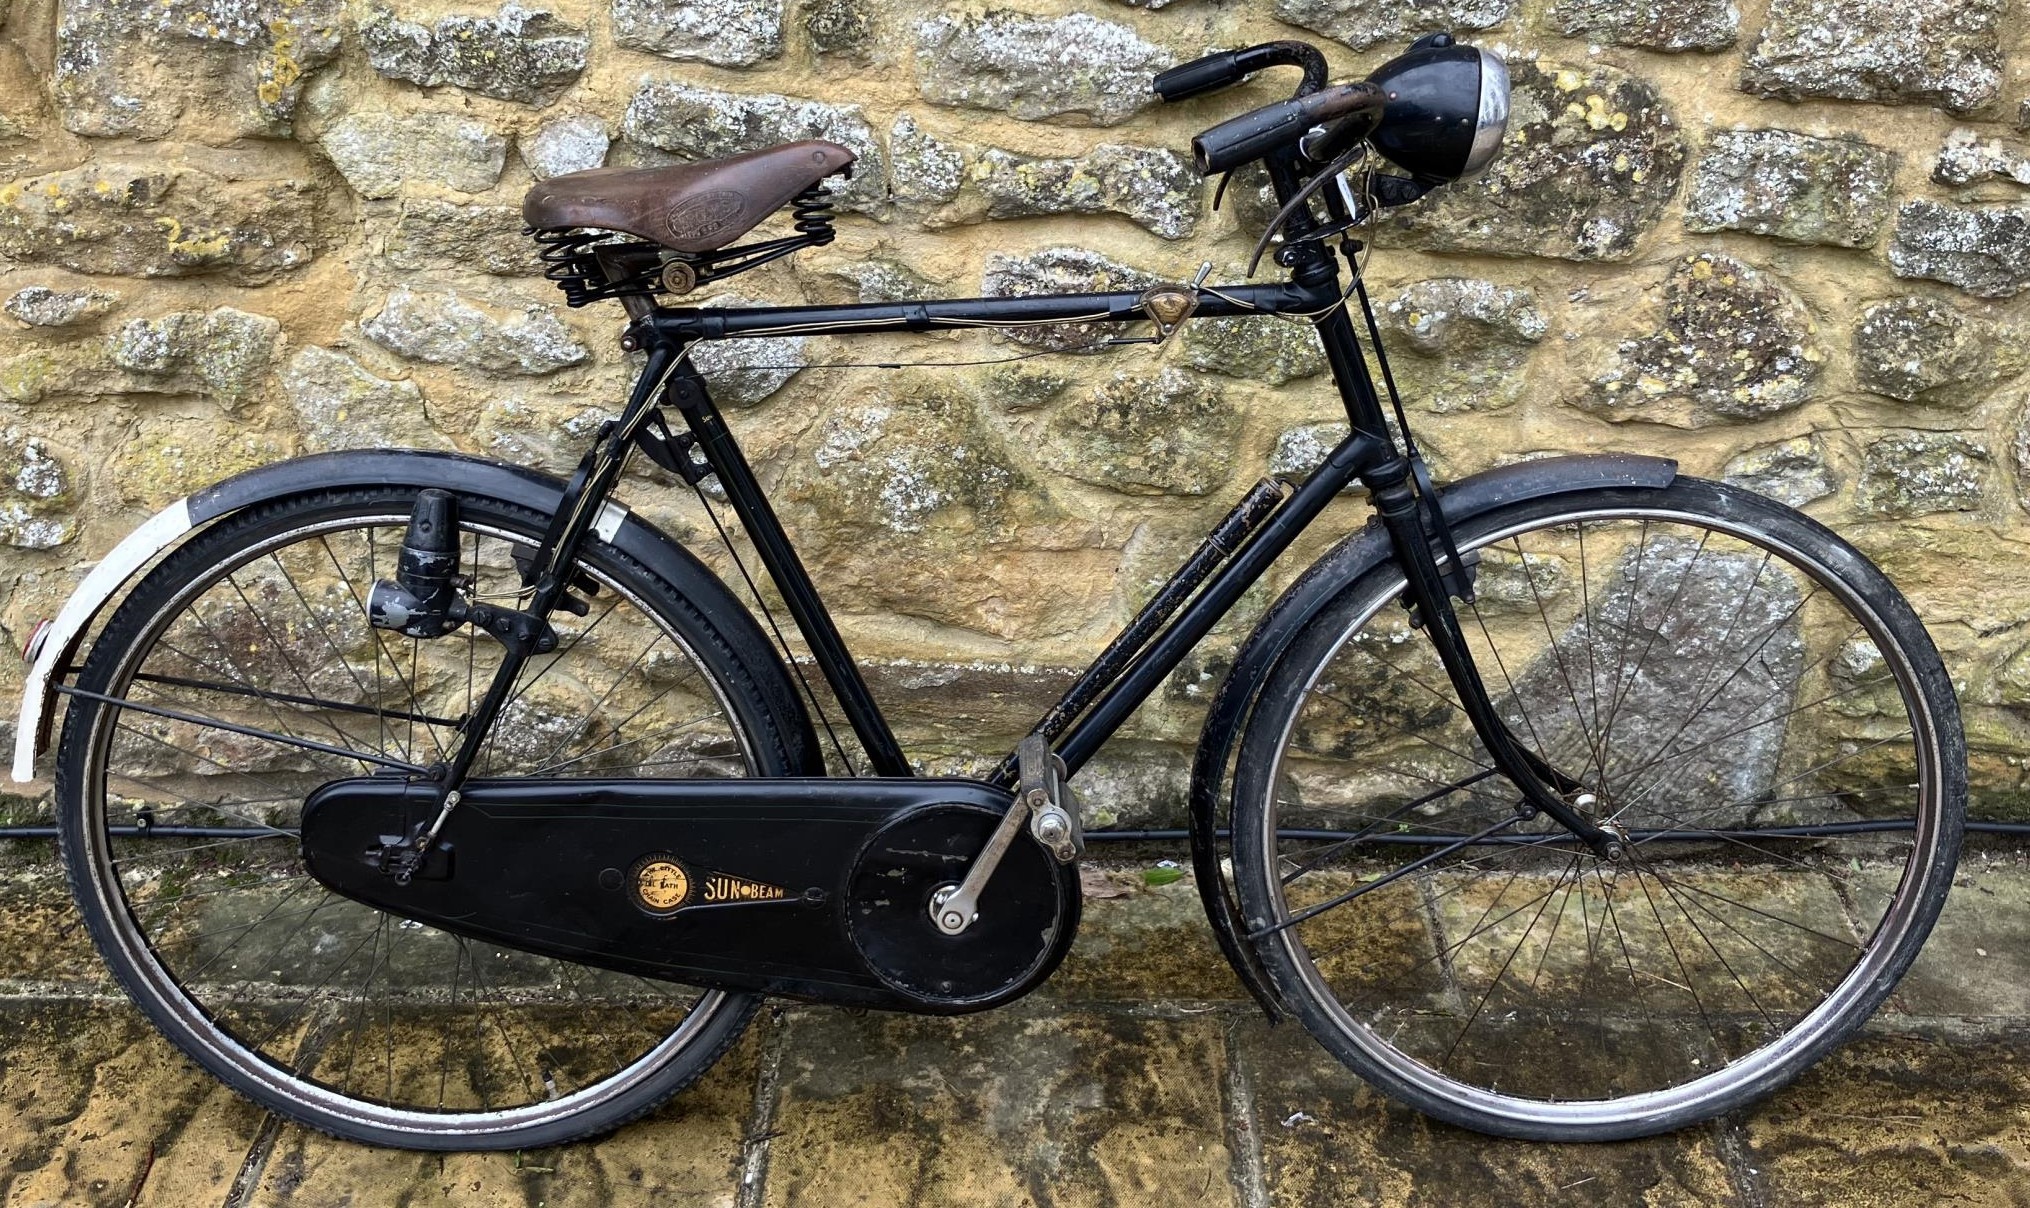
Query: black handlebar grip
(1253, 135)
(1199, 76)
(1228, 67)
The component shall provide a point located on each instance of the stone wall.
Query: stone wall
(1783, 242)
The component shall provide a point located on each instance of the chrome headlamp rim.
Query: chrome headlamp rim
(1492, 122)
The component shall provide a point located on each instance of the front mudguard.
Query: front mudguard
(1226, 719)
(54, 646)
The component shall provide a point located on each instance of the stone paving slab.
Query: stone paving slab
(1141, 1076)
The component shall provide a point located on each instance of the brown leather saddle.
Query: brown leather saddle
(693, 208)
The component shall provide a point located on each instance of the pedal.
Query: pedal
(1053, 808)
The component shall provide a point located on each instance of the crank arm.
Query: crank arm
(953, 910)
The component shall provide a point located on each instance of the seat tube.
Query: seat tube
(687, 392)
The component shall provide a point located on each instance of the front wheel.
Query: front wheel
(241, 674)
(1741, 696)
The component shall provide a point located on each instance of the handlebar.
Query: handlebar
(1229, 67)
(1350, 108)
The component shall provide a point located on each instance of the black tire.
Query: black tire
(1438, 969)
(256, 577)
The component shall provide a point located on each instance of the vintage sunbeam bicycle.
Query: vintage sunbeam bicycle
(436, 802)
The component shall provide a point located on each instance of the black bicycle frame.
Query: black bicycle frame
(1153, 644)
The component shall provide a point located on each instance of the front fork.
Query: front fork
(1544, 788)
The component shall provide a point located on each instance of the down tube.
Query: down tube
(1357, 453)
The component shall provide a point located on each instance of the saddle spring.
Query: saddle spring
(570, 260)
(590, 266)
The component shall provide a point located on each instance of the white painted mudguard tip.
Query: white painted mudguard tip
(105, 580)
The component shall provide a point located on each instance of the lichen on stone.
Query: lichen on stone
(343, 406)
(224, 353)
(378, 152)
(704, 123)
(1034, 68)
(1966, 158)
(1922, 351)
(1940, 52)
(158, 222)
(1984, 250)
(1060, 270)
(1734, 344)
(1906, 474)
(518, 54)
(725, 33)
(924, 171)
(1463, 342)
(1272, 350)
(1670, 25)
(565, 145)
(1792, 186)
(1155, 188)
(136, 68)
(1590, 160)
(1172, 433)
(1364, 23)
(446, 327)
(1792, 472)
(41, 306)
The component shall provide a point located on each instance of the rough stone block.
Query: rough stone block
(224, 353)
(1926, 52)
(566, 145)
(426, 233)
(1792, 186)
(840, 27)
(702, 123)
(1984, 250)
(1157, 189)
(1922, 351)
(744, 372)
(1905, 474)
(1364, 23)
(1735, 344)
(914, 504)
(158, 222)
(342, 406)
(232, 68)
(41, 306)
(1967, 158)
(1034, 68)
(518, 54)
(378, 153)
(1060, 270)
(1269, 349)
(1591, 159)
(1168, 434)
(37, 511)
(1789, 471)
(1652, 24)
(923, 170)
(1465, 340)
(726, 33)
(445, 327)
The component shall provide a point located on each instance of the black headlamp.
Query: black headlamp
(1447, 109)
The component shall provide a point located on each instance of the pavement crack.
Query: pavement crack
(255, 1164)
(1244, 1134)
(761, 1131)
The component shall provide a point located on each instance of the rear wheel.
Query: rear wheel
(180, 832)
(1740, 694)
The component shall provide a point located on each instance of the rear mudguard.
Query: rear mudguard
(1343, 565)
(54, 646)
